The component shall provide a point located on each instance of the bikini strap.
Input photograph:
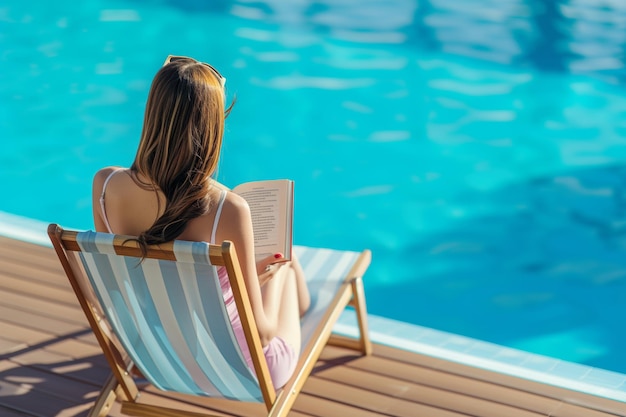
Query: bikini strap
(102, 207)
(217, 215)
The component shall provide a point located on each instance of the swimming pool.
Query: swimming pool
(476, 147)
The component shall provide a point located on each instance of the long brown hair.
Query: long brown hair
(180, 144)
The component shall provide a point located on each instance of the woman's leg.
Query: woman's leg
(280, 302)
(304, 298)
(302, 290)
(285, 299)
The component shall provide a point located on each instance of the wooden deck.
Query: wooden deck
(50, 365)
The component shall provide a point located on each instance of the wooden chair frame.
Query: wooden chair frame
(121, 386)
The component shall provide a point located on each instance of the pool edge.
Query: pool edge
(24, 229)
(489, 356)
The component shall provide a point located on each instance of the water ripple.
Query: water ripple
(301, 81)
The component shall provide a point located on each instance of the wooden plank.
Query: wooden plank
(413, 381)
(37, 321)
(74, 349)
(8, 346)
(439, 397)
(46, 268)
(34, 275)
(592, 402)
(22, 397)
(16, 332)
(21, 247)
(31, 337)
(572, 410)
(89, 369)
(56, 384)
(11, 281)
(6, 412)
(324, 407)
(62, 312)
(164, 401)
(431, 402)
(215, 404)
(88, 338)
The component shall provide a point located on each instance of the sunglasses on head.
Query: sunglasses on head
(174, 58)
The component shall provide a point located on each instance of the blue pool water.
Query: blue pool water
(477, 147)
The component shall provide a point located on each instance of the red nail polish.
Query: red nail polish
(278, 255)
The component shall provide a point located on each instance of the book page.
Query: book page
(270, 205)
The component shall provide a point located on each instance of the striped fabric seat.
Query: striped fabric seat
(325, 269)
(170, 317)
(167, 311)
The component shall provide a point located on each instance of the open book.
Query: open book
(271, 206)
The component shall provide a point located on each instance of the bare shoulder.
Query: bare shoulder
(235, 214)
(98, 180)
(235, 205)
(102, 174)
(235, 223)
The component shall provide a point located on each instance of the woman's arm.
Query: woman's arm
(236, 225)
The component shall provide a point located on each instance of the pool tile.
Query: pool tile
(540, 363)
(570, 371)
(605, 378)
(483, 350)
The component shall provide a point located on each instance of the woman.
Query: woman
(169, 193)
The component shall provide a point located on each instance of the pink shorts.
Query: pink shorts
(281, 357)
(281, 360)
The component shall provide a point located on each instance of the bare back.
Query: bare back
(123, 205)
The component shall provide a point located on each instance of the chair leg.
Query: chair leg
(105, 400)
(363, 343)
(358, 302)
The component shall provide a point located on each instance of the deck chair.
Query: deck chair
(164, 315)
